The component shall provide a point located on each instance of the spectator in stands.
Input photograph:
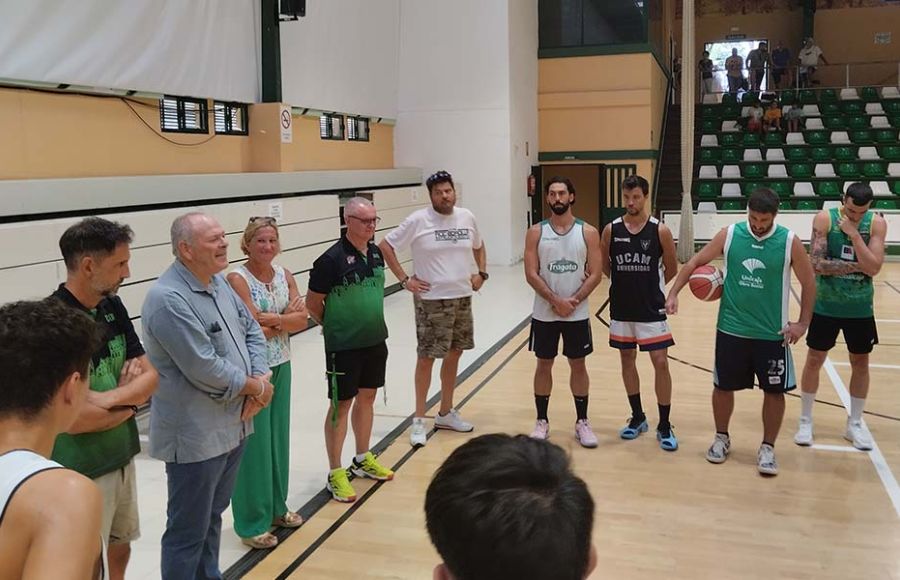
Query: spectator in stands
(755, 118)
(781, 61)
(509, 507)
(270, 293)
(793, 116)
(809, 58)
(51, 516)
(772, 117)
(103, 441)
(734, 68)
(705, 67)
(757, 61)
(214, 378)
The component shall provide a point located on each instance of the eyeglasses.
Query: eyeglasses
(262, 218)
(438, 177)
(370, 222)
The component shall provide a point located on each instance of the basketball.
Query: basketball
(706, 283)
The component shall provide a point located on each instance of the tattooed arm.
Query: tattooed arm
(818, 251)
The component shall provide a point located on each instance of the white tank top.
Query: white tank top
(16, 467)
(561, 261)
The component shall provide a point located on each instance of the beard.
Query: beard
(559, 208)
(632, 211)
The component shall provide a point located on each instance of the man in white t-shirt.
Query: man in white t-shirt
(443, 240)
(809, 57)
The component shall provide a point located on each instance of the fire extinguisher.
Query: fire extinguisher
(532, 185)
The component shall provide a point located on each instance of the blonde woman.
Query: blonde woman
(270, 292)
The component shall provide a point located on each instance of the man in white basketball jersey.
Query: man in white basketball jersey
(562, 264)
(638, 254)
(49, 516)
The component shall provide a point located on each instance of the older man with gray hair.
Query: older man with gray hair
(211, 357)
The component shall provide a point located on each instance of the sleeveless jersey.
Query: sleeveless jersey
(757, 282)
(851, 295)
(637, 292)
(561, 261)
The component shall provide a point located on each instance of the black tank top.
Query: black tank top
(637, 291)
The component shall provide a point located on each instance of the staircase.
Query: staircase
(668, 190)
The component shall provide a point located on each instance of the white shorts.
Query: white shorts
(120, 523)
(646, 335)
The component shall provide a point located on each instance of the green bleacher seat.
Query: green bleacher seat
(874, 169)
(710, 112)
(845, 153)
(829, 108)
(785, 204)
(861, 137)
(749, 99)
(827, 188)
(807, 97)
(828, 96)
(807, 204)
(890, 152)
(787, 97)
(858, 122)
(750, 140)
(835, 123)
(731, 112)
(732, 154)
(895, 187)
(885, 204)
(891, 106)
(731, 205)
(782, 188)
(853, 107)
(868, 94)
(773, 139)
(847, 170)
(753, 171)
(796, 153)
(749, 186)
(817, 137)
(800, 170)
(728, 99)
(708, 189)
(729, 139)
(885, 136)
(710, 126)
(710, 155)
(820, 153)
(894, 120)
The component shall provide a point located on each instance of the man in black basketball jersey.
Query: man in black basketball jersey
(638, 255)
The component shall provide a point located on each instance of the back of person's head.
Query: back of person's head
(860, 193)
(763, 200)
(42, 344)
(92, 236)
(504, 508)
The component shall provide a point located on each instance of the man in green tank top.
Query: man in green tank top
(753, 332)
(847, 250)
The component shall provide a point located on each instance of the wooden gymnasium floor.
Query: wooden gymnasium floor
(828, 514)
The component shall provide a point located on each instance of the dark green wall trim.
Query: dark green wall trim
(597, 155)
(568, 51)
(271, 52)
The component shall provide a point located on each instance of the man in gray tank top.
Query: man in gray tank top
(562, 264)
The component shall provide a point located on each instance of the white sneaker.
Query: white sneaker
(417, 436)
(541, 430)
(765, 460)
(452, 421)
(718, 451)
(858, 435)
(804, 434)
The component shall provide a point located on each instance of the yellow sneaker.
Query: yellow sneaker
(339, 486)
(369, 467)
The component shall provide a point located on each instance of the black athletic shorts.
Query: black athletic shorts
(860, 334)
(739, 360)
(361, 368)
(576, 336)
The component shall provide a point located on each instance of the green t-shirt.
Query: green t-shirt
(850, 295)
(757, 282)
(96, 454)
(354, 289)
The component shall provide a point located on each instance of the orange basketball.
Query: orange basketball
(706, 283)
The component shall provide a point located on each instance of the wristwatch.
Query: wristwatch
(484, 275)
(403, 282)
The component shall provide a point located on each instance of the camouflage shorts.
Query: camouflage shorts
(444, 325)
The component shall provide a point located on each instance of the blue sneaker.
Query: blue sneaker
(629, 432)
(668, 443)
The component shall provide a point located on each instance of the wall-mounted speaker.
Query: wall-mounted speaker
(292, 9)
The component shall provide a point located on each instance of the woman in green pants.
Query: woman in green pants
(270, 292)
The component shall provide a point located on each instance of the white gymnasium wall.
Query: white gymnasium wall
(455, 106)
(342, 57)
(201, 48)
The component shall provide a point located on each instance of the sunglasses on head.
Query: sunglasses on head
(262, 218)
(436, 177)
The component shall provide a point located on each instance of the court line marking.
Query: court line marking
(893, 320)
(881, 465)
(871, 366)
(846, 448)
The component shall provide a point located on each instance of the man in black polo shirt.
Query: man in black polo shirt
(103, 441)
(346, 296)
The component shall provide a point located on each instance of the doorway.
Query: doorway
(721, 50)
(587, 181)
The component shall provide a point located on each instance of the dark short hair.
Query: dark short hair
(763, 200)
(860, 193)
(92, 236)
(504, 507)
(439, 177)
(634, 182)
(41, 344)
(557, 179)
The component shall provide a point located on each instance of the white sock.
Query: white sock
(806, 404)
(856, 408)
(359, 458)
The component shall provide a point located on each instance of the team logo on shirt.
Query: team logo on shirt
(645, 244)
(753, 264)
(625, 240)
(452, 235)
(562, 267)
(752, 280)
(351, 259)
